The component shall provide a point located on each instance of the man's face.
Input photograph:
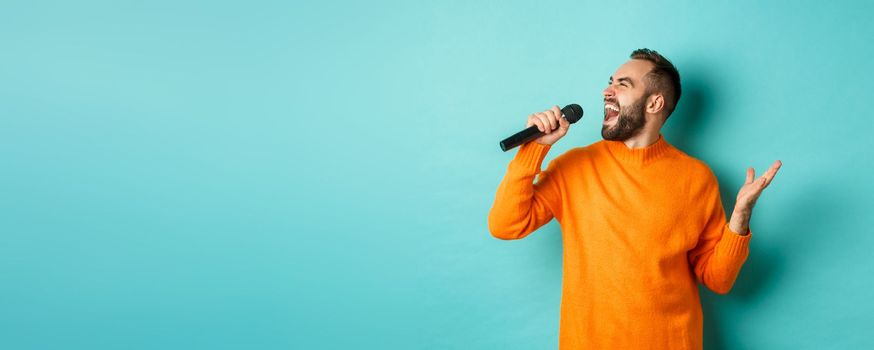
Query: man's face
(625, 101)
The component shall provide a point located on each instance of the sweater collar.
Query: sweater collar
(638, 156)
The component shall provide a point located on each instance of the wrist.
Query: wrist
(740, 220)
(739, 228)
(742, 210)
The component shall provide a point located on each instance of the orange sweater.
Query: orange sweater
(639, 226)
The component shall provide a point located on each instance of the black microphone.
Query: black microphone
(571, 113)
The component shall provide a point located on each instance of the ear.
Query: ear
(655, 103)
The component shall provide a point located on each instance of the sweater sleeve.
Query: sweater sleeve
(720, 252)
(521, 206)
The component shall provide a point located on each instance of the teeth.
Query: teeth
(611, 107)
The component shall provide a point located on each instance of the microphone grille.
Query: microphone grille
(572, 112)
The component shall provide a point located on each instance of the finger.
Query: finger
(769, 174)
(544, 120)
(772, 171)
(553, 120)
(750, 175)
(558, 114)
(533, 120)
(563, 124)
(539, 124)
(761, 183)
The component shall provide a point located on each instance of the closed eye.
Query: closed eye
(624, 82)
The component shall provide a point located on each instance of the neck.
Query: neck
(647, 136)
(641, 140)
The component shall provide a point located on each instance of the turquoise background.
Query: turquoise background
(281, 175)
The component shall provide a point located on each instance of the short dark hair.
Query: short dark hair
(663, 77)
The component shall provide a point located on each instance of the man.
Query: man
(641, 220)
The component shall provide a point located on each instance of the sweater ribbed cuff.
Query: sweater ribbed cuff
(530, 157)
(735, 244)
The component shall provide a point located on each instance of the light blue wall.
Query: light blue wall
(279, 175)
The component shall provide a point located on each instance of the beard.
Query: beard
(629, 122)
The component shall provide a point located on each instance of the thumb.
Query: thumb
(563, 124)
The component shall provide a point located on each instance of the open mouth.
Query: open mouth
(611, 112)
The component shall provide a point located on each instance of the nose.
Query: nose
(609, 92)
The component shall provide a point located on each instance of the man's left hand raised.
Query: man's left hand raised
(747, 196)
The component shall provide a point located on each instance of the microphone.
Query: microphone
(572, 113)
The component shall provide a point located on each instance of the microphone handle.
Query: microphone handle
(524, 136)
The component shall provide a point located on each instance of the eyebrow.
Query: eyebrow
(623, 79)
